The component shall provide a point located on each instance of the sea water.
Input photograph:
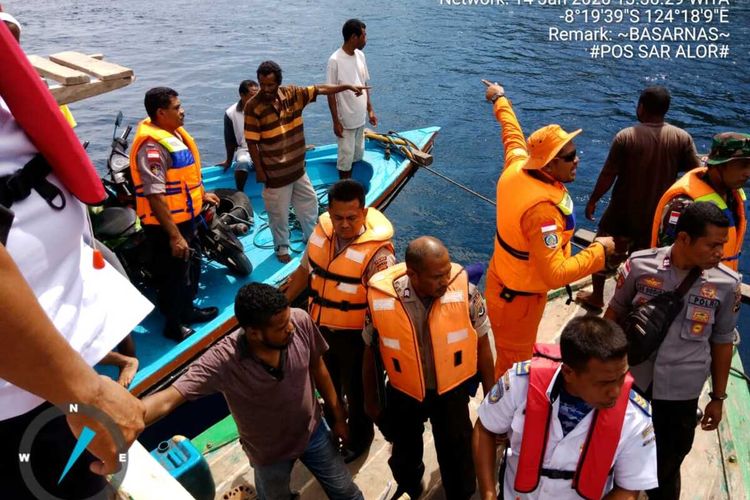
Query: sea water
(579, 63)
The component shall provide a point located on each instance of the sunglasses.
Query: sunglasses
(568, 157)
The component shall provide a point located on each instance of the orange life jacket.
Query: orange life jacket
(338, 297)
(184, 185)
(517, 192)
(453, 338)
(598, 452)
(692, 184)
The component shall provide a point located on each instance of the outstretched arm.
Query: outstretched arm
(514, 142)
(162, 403)
(326, 89)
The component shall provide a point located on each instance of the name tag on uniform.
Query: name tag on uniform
(317, 240)
(384, 304)
(696, 300)
(354, 255)
(458, 336)
(452, 296)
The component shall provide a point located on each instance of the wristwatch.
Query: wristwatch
(717, 397)
(496, 97)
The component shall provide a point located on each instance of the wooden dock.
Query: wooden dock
(713, 470)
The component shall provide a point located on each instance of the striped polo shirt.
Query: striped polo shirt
(276, 127)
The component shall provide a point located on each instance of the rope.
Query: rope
(405, 147)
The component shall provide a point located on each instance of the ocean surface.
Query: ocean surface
(426, 59)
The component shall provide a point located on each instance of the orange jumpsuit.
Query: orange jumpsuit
(546, 232)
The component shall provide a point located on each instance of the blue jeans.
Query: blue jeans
(322, 459)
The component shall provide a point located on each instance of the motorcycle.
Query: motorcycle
(118, 227)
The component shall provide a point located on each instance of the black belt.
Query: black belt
(18, 185)
(518, 254)
(508, 294)
(558, 474)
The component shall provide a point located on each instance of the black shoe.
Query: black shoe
(201, 314)
(413, 493)
(178, 332)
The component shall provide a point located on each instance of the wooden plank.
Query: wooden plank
(103, 70)
(72, 93)
(57, 72)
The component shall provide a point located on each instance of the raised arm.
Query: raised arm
(161, 404)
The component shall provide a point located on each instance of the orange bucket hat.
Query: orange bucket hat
(545, 143)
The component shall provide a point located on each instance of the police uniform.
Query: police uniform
(169, 165)
(675, 375)
(504, 411)
(447, 408)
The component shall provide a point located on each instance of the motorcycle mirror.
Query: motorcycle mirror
(118, 122)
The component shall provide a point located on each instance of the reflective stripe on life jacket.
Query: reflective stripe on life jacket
(692, 185)
(517, 192)
(338, 298)
(598, 452)
(452, 335)
(183, 183)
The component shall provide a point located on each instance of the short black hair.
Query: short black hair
(255, 303)
(655, 100)
(587, 337)
(697, 216)
(266, 68)
(246, 85)
(347, 190)
(158, 98)
(353, 27)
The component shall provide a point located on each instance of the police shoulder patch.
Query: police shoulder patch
(496, 394)
(640, 402)
(523, 367)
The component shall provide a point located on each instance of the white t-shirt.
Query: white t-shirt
(504, 410)
(344, 69)
(238, 125)
(93, 308)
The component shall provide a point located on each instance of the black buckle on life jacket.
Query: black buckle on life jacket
(344, 305)
(18, 185)
(557, 474)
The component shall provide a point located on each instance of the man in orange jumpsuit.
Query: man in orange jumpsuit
(535, 223)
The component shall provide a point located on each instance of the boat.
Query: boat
(384, 171)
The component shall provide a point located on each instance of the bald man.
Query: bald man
(429, 326)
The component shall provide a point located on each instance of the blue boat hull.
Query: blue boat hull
(161, 359)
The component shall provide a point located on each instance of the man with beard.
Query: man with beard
(275, 137)
(268, 371)
(349, 112)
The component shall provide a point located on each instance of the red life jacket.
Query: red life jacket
(598, 451)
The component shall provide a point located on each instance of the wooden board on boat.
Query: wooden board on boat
(81, 76)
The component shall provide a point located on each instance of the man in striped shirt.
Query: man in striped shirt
(276, 141)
